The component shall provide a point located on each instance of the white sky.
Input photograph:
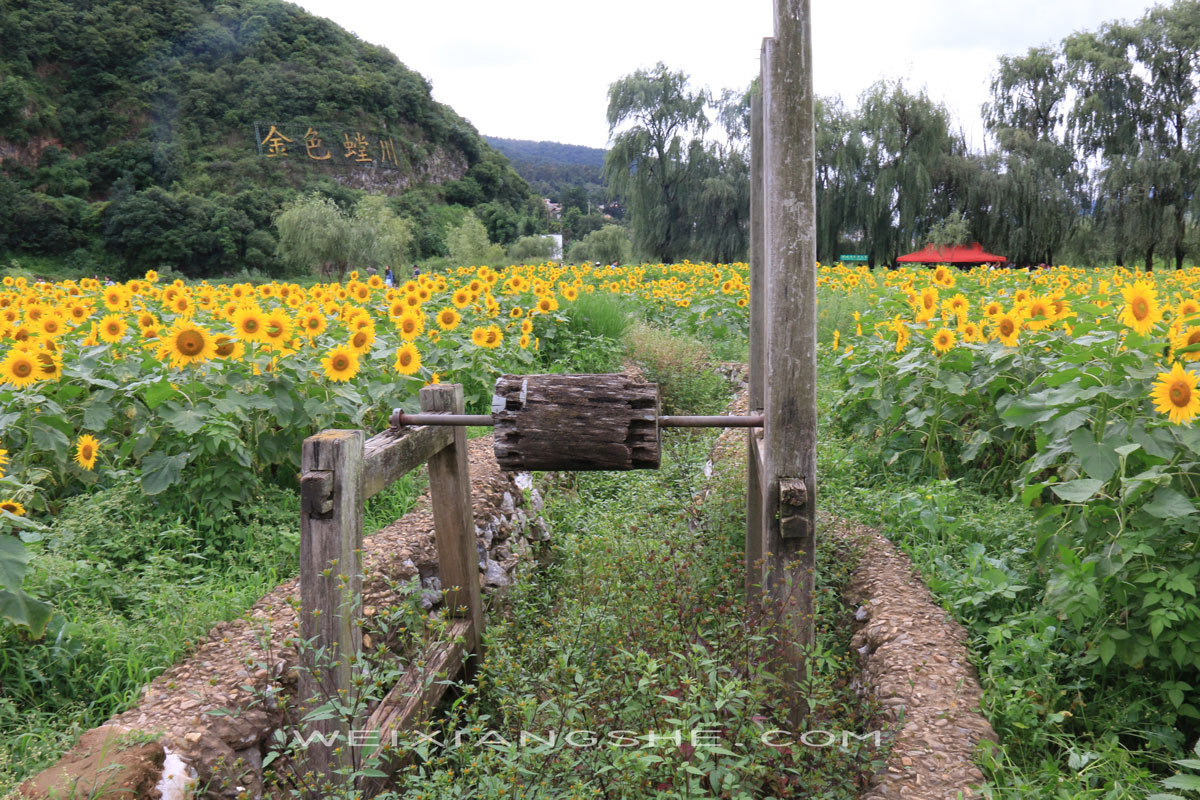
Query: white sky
(540, 69)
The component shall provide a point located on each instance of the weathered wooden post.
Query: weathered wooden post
(754, 525)
(453, 518)
(790, 430)
(331, 507)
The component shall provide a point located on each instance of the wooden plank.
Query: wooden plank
(389, 455)
(754, 499)
(330, 580)
(757, 255)
(414, 699)
(755, 562)
(453, 518)
(789, 388)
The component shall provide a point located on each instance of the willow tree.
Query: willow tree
(840, 150)
(1034, 191)
(1136, 87)
(653, 122)
(906, 145)
(315, 233)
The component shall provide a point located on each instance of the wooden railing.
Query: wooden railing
(339, 473)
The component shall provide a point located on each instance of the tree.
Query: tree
(907, 144)
(653, 120)
(950, 231)
(1033, 190)
(315, 233)
(469, 244)
(608, 245)
(1135, 111)
(531, 249)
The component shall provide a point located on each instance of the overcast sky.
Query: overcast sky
(540, 69)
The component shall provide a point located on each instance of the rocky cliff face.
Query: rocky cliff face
(439, 166)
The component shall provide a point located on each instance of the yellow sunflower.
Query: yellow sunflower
(1186, 337)
(3, 460)
(13, 507)
(408, 359)
(277, 329)
(248, 324)
(448, 319)
(1041, 313)
(187, 344)
(341, 364)
(1175, 395)
(86, 450)
(943, 341)
(313, 324)
(19, 369)
(1142, 311)
(361, 340)
(1006, 327)
(112, 328)
(410, 325)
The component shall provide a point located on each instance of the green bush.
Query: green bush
(599, 314)
(682, 368)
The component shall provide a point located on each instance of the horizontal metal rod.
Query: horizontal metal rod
(400, 418)
(754, 421)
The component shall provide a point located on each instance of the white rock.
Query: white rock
(177, 776)
(524, 480)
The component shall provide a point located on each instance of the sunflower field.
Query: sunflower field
(201, 392)
(1073, 390)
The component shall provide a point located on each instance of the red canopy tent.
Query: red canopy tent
(954, 254)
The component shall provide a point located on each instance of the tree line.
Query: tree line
(1091, 157)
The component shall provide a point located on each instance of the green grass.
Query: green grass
(1062, 734)
(133, 586)
(639, 625)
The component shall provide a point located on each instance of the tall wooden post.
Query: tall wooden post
(790, 431)
(453, 518)
(754, 526)
(331, 506)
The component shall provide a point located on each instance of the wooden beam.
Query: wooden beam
(754, 502)
(414, 699)
(389, 455)
(330, 582)
(790, 433)
(453, 518)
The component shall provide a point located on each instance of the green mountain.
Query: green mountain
(140, 133)
(552, 167)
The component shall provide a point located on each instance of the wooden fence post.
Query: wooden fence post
(790, 432)
(331, 509)
(453, 518)
(754, 523)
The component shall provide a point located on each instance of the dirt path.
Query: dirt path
(914, 660)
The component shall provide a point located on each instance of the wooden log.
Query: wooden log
(453, 518)
(575, 422)
(790, 432)
(389, 455)
(330, 582)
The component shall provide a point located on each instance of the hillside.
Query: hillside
(552, 167)
(135, 134)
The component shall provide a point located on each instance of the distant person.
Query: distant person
(389, 280)
(416, 270)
